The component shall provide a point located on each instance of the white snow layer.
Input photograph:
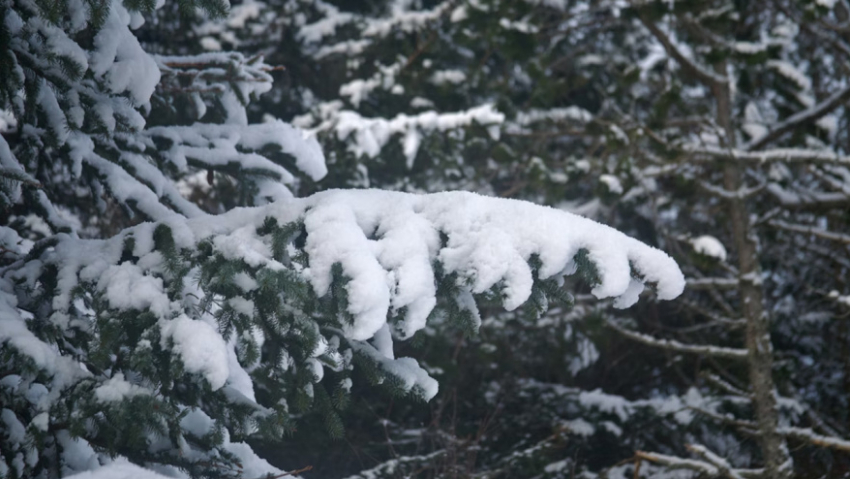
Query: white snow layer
(709, 246)
(121, 469)
(367, 136)
(201, 348)
(612, 183)
(490, 241)
(386, 243)
(120, 59)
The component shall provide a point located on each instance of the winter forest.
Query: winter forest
(373, 239)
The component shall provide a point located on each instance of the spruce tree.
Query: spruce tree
(145, 336)
(714, 129)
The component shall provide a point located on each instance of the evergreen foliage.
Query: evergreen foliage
(143, 335)
(714, 130)
(697, 126)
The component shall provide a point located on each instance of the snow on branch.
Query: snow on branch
(806, 116)
(368, 136)
(674, 462)
(690, 65)
(711, 283)
(789, 155)
(810, 230)
(393, 465)
(400, 17)
(488, 243)
(386, 244)
(803, 434)
(800, 199)
(722, 465)
(711, 464)
(674, 345)
(808, 435)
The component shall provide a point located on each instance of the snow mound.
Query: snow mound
(709, 246)
(387, 241)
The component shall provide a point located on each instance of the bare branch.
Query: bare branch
(705, 75)
(721, 464)
(673, 345)
(808, 200)
(741, 193)
(705, 466)
(808, 435)
(724, 385)
(678, 462)
(788, 155)
(817, 232)
(804, 117)
(287, 474)
(732, 421)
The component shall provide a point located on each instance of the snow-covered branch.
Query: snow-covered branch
(702, 73)
(673, 345)
(741, 193)
(789, 155)
(712, 283)
(804, 117)
(808, 435)
(711, 465)
(724, 385)
(393, 465)
(811, 230)
(674, 462)
(722, 465)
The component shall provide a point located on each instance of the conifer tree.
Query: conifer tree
(705, 127)
(144, 336)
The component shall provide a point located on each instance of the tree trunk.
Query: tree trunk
(777, 460)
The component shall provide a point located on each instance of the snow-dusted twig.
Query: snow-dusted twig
(806, 116)
(818, 232)
(741, 193)
(702, 73)
(807, 199)
(287, 474)
(803, 434)
(789, 155)
(674, 462)
(673, 345)
(724, 385)
(715, 319)
(393, 464)
(712, 283)
(748, 426)
(721, 464)
(706, 466)
(808, 435)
